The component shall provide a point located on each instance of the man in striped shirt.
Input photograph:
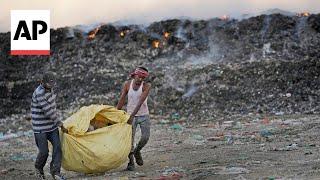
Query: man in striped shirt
(45, 126)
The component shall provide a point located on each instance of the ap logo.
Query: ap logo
(30, 32)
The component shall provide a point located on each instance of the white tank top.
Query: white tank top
(133, 100)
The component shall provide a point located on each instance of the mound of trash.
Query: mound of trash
(199, 69)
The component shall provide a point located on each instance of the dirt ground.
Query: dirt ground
(250, 147)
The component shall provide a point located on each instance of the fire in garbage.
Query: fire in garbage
(166, 35)
(155, 43)
(124, 32)
(195, 47)
(92, 34)
(303, 14)
(225, 17)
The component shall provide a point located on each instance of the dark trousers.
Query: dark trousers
(42, 144)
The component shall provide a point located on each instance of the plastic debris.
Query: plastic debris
(308, 153)
(163, 121)
(198, 137)
(5, 171)
(17, 157)
(175, 116)
(215, 138)
(279, 113)
(15, 135)
(171, 170)
(233, 170)
(8, 136)
(227, 124)
(139, 174)
(172, 176)
(229, 139)
(177, 127)
(291, 147)
(238, 125)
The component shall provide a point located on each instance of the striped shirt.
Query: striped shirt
(43, 110)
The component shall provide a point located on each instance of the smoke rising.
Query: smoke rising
(78, 12)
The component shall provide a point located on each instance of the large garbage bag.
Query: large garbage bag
(100, 150)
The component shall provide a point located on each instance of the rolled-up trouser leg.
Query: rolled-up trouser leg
(134, 127)
(144, 122)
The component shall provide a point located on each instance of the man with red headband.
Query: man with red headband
(137, 91)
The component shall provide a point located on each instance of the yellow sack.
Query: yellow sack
(99, 150)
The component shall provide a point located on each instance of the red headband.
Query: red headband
(140, 72)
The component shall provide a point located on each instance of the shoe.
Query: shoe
(39, 174)
(58, 177)
(130, 167)
(139, 160)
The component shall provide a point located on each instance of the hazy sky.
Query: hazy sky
(74, 12)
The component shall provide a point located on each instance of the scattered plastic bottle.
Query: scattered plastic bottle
(175, 116)
(229, 139)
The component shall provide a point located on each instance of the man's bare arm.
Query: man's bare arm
(123, 95)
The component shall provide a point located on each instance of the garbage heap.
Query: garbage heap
(199, 69)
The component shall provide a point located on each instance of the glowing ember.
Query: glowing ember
(122, 34)
(303, 14)
(92, 34)
(156, 43)
(166, 35)
(225, 17)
